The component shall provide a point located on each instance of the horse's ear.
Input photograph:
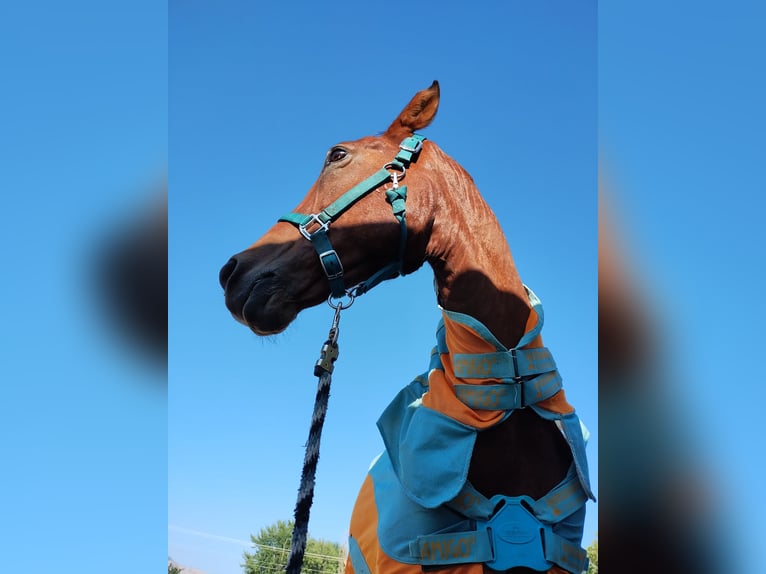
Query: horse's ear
(417, 114)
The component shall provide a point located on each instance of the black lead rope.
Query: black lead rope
(323, 369)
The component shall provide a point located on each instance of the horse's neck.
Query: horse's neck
(472, 263)
(475, 275)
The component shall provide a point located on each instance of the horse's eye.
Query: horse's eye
(336, 154)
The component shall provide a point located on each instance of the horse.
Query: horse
(484, 468)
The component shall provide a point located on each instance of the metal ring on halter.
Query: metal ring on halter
(340, 305)
(396, 166)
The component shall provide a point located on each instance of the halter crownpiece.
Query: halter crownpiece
(314, 226)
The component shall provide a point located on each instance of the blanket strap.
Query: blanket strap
(505, 531)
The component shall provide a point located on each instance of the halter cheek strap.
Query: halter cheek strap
(314, 226)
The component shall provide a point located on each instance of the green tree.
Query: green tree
(271, 547)
(172, 568)
(593, 557)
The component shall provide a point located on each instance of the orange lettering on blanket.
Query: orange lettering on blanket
(448, 548)
(481, 367)
(481, 397)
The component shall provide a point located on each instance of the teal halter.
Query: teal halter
(314, 226)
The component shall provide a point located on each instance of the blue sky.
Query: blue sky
(83, 423)
(258, 93)
(681, 124)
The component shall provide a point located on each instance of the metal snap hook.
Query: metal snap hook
(394, 167)
(338, 306)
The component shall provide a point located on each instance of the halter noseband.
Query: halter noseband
(314, 226)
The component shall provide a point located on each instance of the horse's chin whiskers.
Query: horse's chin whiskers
(272, 337)
(267, 334)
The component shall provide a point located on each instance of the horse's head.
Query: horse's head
(342, 233)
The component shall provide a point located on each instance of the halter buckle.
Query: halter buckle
(412, 150)
(321, 226)
(331, 264)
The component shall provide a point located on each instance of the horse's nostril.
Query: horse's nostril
(226, 271)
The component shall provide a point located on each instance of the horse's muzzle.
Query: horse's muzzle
(226, 272)
(256, 297)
